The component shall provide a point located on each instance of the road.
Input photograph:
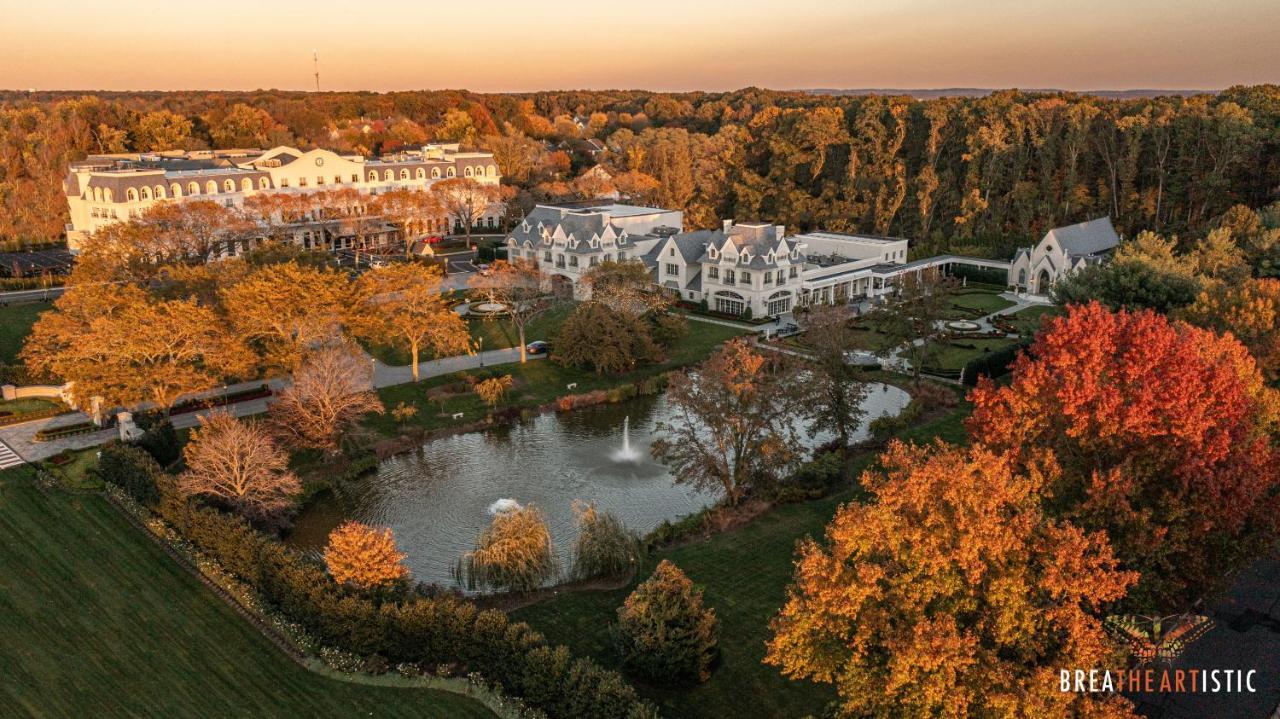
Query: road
(22, 296)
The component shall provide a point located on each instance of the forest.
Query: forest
(977, 175)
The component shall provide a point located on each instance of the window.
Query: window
(671, 252)
(193, 188)
(560, 261)
(131, 194)
(302, 182)
(404, 174)
(388, 175)
(228, 185)
(779, 303)
(745, 278)
(373, 177)
(546, 256)
(211, 188)
(420, 174)
(355, 178)
(451, 172)
(792, 273)
(672, 269)
(159, 192)
(146, 193)
(781, 277)
(573, 260)
(713, 273)
(493, 171)
(319, 180)
(466, 172)
(730, 303)
(435, 173)
(284, 182)
(728, 277)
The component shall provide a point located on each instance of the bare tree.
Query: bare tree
(331, 391)
(911, 322)
(238, 463)
(517, 285)
(834, 388)
(466, 200)
(732, 424)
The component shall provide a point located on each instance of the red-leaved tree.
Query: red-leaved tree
(1166, 437)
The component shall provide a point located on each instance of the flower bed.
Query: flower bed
(8, 418)
(68, 430)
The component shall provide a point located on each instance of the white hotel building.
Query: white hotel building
(103, 189)
(738, 267)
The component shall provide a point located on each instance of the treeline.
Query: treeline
(961, 174)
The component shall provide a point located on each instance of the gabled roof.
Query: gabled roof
(1085, 238)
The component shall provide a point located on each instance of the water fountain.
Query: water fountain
(626, 454)
(503, 505)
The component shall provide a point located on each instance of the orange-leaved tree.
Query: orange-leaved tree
(951, 594)
(401, 305)
(286, 309)
(1165, 435)
(1249, 310)
(364, 557)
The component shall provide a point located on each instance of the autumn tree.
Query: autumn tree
(1251, 312)
(911, 322)
(492, 390)
(331, 392)
(364, 557)
(162, 130)
(238, 463)
(400, 305)
(1165, 434)
(241, 126)
(666, 635)
(517, 286)
(466, 200)
(731, 425)
(604, 340)
(1127, 285)
(285, 310)
(514, 553)
(951, 594)
(835, 387)
(624, 287)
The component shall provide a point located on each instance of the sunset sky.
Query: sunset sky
(508, 45)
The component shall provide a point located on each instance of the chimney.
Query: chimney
(781, 231)
(727, 224)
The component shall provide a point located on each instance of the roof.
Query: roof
(1085, 238)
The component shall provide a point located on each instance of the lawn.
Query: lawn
(744, 575)
(951, 357)
(496, 333)
(537, 382)
(96, 621)
(982, 301)
(15, 325)
(1028, 320)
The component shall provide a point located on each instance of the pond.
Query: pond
(437, 499)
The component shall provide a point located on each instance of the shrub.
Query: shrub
(132, 470)
(513, 554)
(665, 634)
(992, 364)
(604, 547)
(932, 395)
(364, 557)
(161, 442)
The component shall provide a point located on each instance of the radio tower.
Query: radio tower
(315, 63)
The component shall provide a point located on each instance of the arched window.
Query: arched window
(492, 171)
(284, 182)
(97, 194)
(435, 173)
(264, 183)
(450, 173)
(388, 175)
(159, 192)
(404, 174)
(228, 185)
(1022, 277)
(420, 174)
(211, 188)
(175, 190)
(246, 184)
(146, 192)
(466, 172)
(373, 177)
(131, 194)
(193, 188)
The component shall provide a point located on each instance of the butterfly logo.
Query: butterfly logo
(1157, 639)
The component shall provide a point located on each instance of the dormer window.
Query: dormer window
(712, 252)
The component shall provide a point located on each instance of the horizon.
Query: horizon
(914, 45)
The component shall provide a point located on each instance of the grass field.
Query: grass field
(15, 325)
(950, 357)
(983, 301)
(96, 621)
(744, 575)
(537, 382)
(1028, 320)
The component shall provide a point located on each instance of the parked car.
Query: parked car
(538, 347)
(485, 270)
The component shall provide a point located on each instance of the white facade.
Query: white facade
(105, 189)
(1061, 251)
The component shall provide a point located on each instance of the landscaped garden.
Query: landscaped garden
(95, 620)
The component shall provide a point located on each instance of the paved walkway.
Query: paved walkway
(20, 438)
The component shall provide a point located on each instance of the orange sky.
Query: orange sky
(503, 45)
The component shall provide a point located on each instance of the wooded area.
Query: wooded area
(974, 175)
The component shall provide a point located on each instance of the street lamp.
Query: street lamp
(481, 346)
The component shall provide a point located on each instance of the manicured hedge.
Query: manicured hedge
(18, 417)
(992, 364)
(67, 430)
(431, 631)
